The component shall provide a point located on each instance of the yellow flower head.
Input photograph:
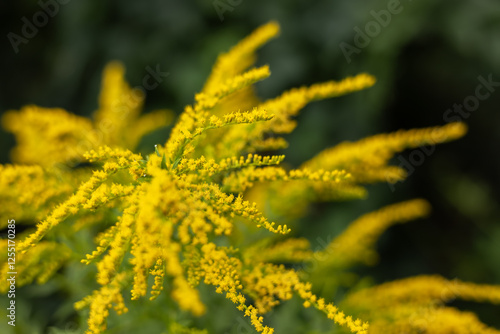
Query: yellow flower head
(184, 215)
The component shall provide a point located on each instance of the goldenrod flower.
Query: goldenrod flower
(356, 243)
(417, 304)
(184, 214)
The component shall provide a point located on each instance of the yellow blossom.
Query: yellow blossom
(367, 159)
(356, 243)
(46, 187)
(184, 215)
(417, 304)
(117, 122)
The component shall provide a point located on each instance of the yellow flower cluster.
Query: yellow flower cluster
(207, 100)
(240, 57)
(89, 195)
(242, 180)
(268, 284)
(288, 251)
(417, 305)
(291, 102)
(102, 300)
(367, 159)
(255, 137)
(117, 123)
(356, 243)
(209, 167)
(46, 188)
(185, 215)
(39, 263)
(44, 142)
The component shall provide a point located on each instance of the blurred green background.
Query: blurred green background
(426, 59)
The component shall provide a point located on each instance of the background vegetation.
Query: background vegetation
(427, 58)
